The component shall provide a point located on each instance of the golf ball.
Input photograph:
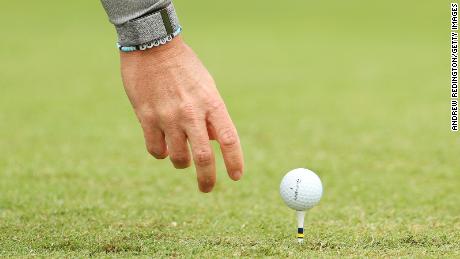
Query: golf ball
(301, 189)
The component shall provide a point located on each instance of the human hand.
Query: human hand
(176, 100)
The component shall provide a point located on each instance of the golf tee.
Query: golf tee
(300, 222)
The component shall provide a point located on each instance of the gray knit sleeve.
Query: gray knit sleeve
(141, 21)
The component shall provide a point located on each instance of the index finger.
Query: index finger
(229, 142)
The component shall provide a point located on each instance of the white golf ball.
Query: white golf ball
(301, 189)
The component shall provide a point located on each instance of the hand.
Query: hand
(176, 100)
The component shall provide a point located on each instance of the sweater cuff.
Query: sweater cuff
(148, 28)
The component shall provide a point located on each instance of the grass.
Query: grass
(356, 91)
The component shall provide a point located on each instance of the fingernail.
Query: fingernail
(237, 175)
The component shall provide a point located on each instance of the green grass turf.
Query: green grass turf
(356, 90)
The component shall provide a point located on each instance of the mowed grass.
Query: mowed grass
(356, 91)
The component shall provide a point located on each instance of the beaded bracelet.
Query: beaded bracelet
(149, 45)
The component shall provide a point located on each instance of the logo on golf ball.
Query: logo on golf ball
(296, 193)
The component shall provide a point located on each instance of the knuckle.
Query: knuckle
(147, 116)
(229, 137)
(166, 113)
(203, 157)
(168, 118)
(216, 105)
(188, 111)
